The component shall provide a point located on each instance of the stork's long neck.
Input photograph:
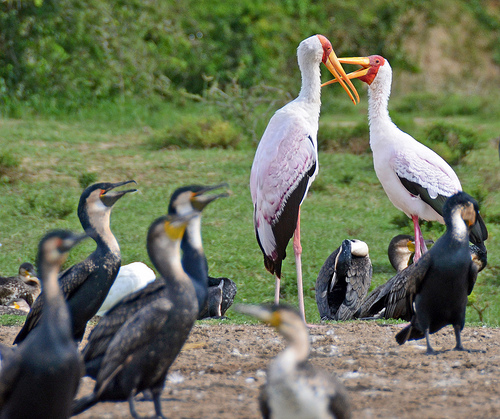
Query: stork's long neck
(310, 92)
(378, 113)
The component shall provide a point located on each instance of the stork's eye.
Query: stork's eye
(377, 61)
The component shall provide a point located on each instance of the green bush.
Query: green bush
(192, 132)
(450, 141)
(345, 138)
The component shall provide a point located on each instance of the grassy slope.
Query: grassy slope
(346, 201)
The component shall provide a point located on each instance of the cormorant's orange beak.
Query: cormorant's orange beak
(335, 67)
(364, 62)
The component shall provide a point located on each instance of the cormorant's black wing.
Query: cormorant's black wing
(323, 285)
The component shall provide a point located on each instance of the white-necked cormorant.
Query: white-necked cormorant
(40, 376)
(343, 281)
(24, 285)
(139, 338)
(185, 200)
(295, 389)
(394, 299)
(446, 277)
(86, 284)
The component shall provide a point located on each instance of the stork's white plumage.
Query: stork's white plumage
(130, 278)
(286, 161)
(415, 178)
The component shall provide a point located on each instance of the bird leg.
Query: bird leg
(277, 290)
(420, 247)
(458, 338)
(157, 402)
(131, 404)
(297, 249)
(430, 351)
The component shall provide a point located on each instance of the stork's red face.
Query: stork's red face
(332, 63)
(370, 66)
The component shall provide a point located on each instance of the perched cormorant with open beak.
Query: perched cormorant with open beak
(143, 334)
(86, 284)
(24, 285)
(295, 389)
(40, 377)
(343, 281)
(445, 276)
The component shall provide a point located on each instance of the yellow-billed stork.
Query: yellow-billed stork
(286, 161)
(415, 178)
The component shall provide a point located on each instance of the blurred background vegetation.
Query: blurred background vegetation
(69, 53)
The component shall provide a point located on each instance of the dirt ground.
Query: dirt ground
(220, 370)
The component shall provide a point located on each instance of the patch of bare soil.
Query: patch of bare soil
(220, 370)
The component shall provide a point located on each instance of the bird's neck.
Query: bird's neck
(286, 361)
(378, 101)
(457, 229)
(310, 91)
(101, 233)
(166, 257)
(194, 261)
(55, 312)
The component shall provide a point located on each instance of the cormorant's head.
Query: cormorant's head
(28, 274)
(193, 198)
(465, 205)
(54, 247)
(402, 249)
(285, 319)
(98, 199)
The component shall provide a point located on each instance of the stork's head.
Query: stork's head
(317, 49)
(374, 68)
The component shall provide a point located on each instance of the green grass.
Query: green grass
(57, 154)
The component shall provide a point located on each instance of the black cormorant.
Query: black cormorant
(24, 285)
(86, 284)
(447, 275)
(295, 389)
(221, 293)
(40, 376)
(343, 281)
(185, 200)
(394, 299)
(135, 343)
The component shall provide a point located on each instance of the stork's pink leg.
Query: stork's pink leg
(297, 249)
(420, 247)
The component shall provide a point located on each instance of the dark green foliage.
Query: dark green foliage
(8, 163)
(450, 141)
(197, 132)
(344, 138)
(81, 52)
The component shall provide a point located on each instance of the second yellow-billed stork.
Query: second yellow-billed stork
(286, 161)
(415, 178)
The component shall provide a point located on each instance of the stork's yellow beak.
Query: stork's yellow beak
(335, 67)
(364, 62)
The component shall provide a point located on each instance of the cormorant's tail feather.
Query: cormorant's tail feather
(409, 333)
(404, 335)
(82, 404)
